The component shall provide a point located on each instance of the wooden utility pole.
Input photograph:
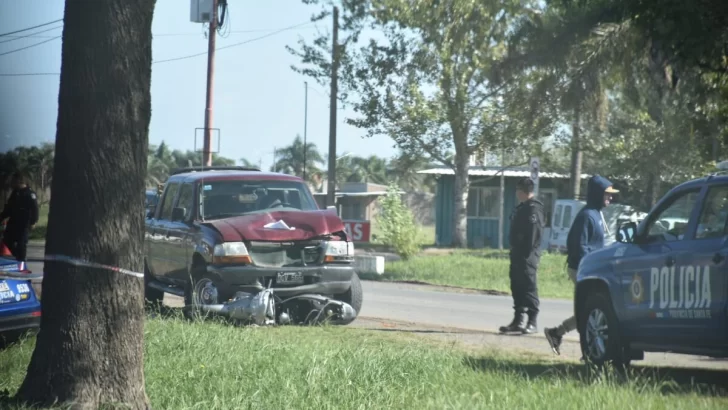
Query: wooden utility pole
(207, 148)
(330, 191)
(305, 126)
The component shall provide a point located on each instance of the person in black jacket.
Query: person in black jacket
(527, 221)
(22, 211)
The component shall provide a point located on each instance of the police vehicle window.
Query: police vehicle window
(186, 200)
(714, 214)
(671, 222)
(168, 201)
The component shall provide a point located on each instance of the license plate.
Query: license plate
(290, 278)
(4, 286)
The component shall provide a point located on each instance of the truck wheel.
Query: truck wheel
(151, 296)
(354, 296)
(201, 290)
(600, 338)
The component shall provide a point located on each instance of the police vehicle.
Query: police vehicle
(20, 309)
(663, 286)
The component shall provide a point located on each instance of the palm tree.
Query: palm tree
(290, 160)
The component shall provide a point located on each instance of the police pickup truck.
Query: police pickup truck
(663, 286)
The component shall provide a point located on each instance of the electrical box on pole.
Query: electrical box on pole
(201, 11)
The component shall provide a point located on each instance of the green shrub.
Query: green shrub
(397, 225)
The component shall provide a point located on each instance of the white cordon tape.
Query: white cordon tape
(69, 260)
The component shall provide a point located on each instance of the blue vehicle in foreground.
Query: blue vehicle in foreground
(19, 307)
(663, 286)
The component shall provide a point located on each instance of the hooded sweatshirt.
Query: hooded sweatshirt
(587, 231)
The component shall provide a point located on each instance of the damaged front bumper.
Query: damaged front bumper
(263, 308)
(333, 279)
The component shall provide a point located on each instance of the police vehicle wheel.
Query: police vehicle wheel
(151, 295)
(600, 338)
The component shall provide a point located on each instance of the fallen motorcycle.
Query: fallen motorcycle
(265, 308)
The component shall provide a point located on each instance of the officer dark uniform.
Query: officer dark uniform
(22, 209)
(527, 221)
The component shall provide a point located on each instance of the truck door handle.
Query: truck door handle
(718, 258)
(670, 261)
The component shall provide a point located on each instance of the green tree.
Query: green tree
(430, 84)
(290, 159)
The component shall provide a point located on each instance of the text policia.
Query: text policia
(685, 291)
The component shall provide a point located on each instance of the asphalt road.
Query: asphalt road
(394, 305)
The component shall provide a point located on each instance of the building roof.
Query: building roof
(496, 171)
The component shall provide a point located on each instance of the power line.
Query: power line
(27, 47)
(159, 61)
(29, 28)
(266, 30)
(235, 44)
(32, 35)
(26, 74)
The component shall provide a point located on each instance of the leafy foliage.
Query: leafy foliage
(397, 224)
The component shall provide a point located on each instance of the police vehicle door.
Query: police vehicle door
(655, 250)
(698, 305)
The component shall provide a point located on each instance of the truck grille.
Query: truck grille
(284, 254)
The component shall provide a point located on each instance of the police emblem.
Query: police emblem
(33, 196)
(637, 289)
(533, 218)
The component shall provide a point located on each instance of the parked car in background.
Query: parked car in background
(565, 211)
(19, 307)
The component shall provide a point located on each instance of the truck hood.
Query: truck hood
(307, 224)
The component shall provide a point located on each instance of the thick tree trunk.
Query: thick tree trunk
(460, 208)
(576, 156)
(90, 347)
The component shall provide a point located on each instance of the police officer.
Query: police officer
(22, 211)
(527, 221)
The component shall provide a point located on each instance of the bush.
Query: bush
(397, 225)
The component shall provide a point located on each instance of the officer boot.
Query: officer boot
(531, 326)
(516, 325)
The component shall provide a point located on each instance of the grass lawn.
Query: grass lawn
(214, 366)
(485, 270)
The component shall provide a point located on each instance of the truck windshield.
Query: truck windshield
(223, 199)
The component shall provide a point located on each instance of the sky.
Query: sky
(259, 100)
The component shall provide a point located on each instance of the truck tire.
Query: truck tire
(152, 296)
(599, 335)
(354, 296)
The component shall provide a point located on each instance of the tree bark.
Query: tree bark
(89, 351)
(460, 192)
(576, 155)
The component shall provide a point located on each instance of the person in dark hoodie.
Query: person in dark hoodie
(586, 235)
(527, 221)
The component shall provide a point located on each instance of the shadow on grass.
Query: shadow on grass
(388, 277)
(666, 380)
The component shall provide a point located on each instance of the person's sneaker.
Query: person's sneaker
(554, 339)
(531, 328)
(515, 326)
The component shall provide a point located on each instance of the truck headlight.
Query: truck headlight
(339, 251)
(231, 253)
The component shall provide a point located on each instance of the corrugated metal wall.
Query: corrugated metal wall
(481, 232)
